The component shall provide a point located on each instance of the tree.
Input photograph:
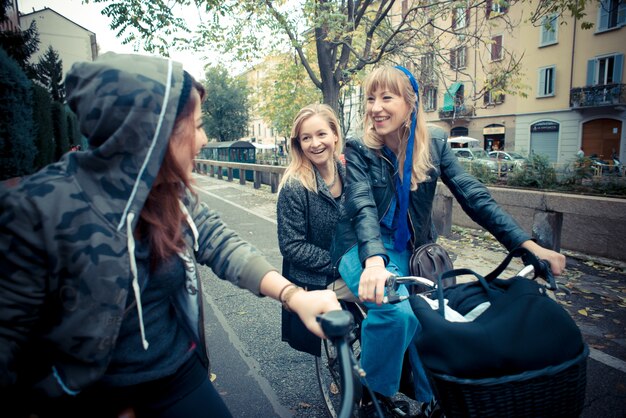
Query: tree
(226, 105)
(50, 74)
(19, 45)
(348, 35)
(17, 150)
(44, 133)
(285, 90)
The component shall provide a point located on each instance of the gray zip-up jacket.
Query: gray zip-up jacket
(67, 262)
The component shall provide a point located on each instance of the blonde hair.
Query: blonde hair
(395, 81)
(300, 167)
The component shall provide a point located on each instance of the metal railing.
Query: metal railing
(596, 96)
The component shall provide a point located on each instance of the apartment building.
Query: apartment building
(571, 78)
(72, 41)
(12, 22)
(259, 131)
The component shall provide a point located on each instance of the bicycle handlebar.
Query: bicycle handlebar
(424, 286)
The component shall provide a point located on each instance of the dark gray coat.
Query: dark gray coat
(306, 225)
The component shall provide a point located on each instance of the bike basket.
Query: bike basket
(555, 391)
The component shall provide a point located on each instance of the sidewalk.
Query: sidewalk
(594, 288)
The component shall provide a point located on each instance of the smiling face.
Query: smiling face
(317, 141)
(388, 113)
(184, 148)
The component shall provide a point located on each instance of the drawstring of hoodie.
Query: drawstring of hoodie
(135, 281)
(133, 263)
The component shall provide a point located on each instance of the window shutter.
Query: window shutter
(591, 72)
(454, 18)
(488, 4)
(617, 68)
(541, 89)
(453, 59)
(621, 13)
(605, 6)
(467, 17)
(496, 48)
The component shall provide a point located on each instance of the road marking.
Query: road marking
(253, 365)
(607, 359)
(236, 205)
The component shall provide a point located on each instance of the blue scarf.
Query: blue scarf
(403, 186)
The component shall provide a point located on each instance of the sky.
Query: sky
(89, 17)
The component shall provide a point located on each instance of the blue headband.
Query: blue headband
(403, 187)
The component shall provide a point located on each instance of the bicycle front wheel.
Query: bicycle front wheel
(328, 372)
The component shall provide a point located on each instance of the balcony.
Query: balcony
(459, 112)
(605, 95)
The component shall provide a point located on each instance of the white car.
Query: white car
(514, 158)
(480, 156)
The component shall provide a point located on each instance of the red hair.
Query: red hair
(161, 218)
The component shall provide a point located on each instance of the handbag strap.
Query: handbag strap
(541, 267)
(491, 293)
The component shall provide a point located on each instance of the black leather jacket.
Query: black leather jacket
(370, 187)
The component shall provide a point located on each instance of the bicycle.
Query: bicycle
(551, 391)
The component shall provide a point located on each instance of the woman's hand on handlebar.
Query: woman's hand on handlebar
(373, 280)
(556, 260)
(308, 305)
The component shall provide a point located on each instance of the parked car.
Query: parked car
(480, 156)
(511, 158)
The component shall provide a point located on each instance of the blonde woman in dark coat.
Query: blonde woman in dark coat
(309, 204)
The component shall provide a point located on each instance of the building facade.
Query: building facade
(73, 42)
(570, 91)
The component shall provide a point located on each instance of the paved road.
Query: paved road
(260, 376)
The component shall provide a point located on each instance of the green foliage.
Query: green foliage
(59, 127)
(573, 8)
(73, 129)
(480, 171)
(17, 151)
(537, 173)
(44, 134)
(285, 91)
(49, 71)
(20, 45)
(226, 105)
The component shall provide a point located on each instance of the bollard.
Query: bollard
(242, 176)
(547, 229)
(442, 214)
(257, 179)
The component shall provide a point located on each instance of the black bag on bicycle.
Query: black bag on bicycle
(523, 329)
(523, 339)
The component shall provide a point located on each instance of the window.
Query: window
(496, 7)
(605, 70)
(612, 14)
(427, 68)
(493, 98)
(460, 18)
(549, 27)
(430, 98)
(458, 58)
(496, 48)
(547, 77)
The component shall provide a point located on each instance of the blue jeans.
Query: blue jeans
(388, 330)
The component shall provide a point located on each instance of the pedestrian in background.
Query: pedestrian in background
(391, 177)
(100, 298)
(308, 207)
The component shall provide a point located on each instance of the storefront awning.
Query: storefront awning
(448, 98)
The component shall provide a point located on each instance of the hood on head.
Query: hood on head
(126, 107)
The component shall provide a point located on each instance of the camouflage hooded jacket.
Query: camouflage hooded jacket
(67, 262)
